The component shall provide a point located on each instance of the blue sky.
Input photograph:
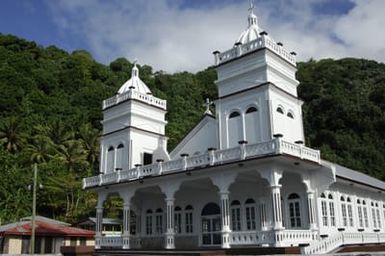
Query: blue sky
(180, 35)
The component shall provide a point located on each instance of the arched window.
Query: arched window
(235, 215)
(280, 110)
(234, 114)
(110, 159)
(132, 223)
(350, 211)
(376, 215)
(252, 129)
(344, 212)
(290, 115)
(159, 221)
(332, 211)
(119, 156)
(251, 110)
(324, 210)
(365, 211)
(294, 210)
(178, 219)
(188, 218)
(360, 217)
(250, 214)
(234, 129)
(149, 222)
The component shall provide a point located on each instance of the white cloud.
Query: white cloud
(164, 35)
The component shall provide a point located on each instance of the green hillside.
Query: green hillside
(50, 112)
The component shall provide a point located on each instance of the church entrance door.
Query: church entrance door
(211, 225)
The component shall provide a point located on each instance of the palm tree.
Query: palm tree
(72, 154)
(90, 140)
(10, 135)
(40, 149)
(56, 132)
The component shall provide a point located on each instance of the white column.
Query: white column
(311, 210)
(276, 206)
(98, 227)
(225, 216)
(170, 232)
(126, 226)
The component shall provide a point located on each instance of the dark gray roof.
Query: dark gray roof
(356, 176)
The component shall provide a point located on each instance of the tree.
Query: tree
(90, 141)
(10, 134)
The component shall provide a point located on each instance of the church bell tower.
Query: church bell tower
(257, 90)
(133, 127)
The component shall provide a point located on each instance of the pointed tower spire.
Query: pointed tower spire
(135, 70)
(252, 17)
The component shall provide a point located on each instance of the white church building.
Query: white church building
(242, 177)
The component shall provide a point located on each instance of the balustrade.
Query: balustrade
(251, 237)
(214, 157)
(261, 42)
(132, 94)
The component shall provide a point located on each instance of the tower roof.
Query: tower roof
(134, 83)
(252, 31)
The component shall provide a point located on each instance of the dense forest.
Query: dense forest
(50, 112)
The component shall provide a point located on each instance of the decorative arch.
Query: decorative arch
(280, 109)
(234, 114)
(290, 114)
(211, 209)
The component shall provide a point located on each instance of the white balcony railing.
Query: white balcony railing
(259, 43)
(132, 94)
(251, 237)
(210, 158)
(111, 242)
(334, 241)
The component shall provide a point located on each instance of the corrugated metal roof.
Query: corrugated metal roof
(356, 176)
(44, 227)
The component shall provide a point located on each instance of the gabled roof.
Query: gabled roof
(44, 227)
(190, 135)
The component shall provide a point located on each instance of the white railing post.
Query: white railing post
(118, 170)
(242, 145)
(100, 179)
(160, 166)
(184, 161)
(137, 166)
(211, 156)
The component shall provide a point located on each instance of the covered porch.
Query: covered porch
(256, 203)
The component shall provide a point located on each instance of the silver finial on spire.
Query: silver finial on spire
(135, 70)
(251, 8)
(252, 17)
(207, 105)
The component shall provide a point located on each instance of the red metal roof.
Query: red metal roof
(44, 228)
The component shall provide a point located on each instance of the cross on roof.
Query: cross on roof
(207, 105)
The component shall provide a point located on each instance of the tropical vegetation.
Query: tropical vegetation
(50, 112)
